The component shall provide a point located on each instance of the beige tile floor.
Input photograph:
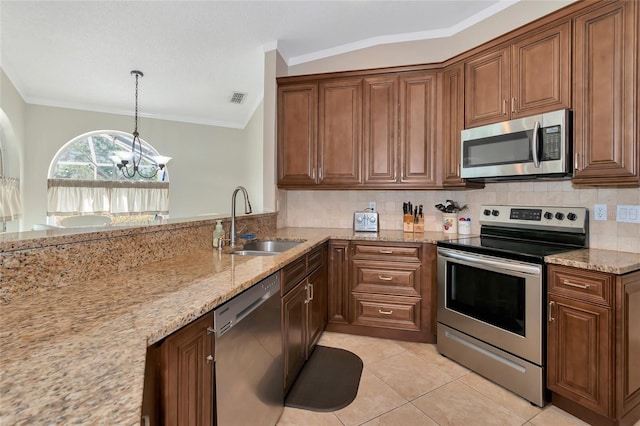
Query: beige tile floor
(406, 384)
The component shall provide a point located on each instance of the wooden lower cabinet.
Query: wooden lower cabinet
(304, 311)
(593, 344)
(383, 289)
(179, 377)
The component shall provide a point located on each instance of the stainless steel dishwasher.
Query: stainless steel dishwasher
(248, 357)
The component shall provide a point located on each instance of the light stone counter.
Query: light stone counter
(75, 354)
(614, 262)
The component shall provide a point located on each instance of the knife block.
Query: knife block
(407, 223)
(418, 227)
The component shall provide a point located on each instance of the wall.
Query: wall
(12, 116)
(324, 209)
(208, 161)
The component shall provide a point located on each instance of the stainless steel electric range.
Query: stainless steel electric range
(492, 291)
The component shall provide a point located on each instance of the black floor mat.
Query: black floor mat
(328, 381)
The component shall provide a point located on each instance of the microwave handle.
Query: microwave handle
(534, 145)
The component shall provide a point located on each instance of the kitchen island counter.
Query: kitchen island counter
(76, 353)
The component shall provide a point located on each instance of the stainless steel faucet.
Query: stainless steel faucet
(247, 210)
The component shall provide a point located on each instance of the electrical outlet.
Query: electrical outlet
(600, 211)
(372, 206)
(630, 214)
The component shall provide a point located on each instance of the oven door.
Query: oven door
(495, 300)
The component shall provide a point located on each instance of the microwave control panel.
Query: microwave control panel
(551, 143)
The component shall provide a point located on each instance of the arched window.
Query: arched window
(88, 157)
(84, 180)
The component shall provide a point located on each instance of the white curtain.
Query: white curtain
(10, 202)
(71, 197)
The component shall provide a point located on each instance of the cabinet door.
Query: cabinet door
(418, 99)
(187, 374)
(606, 138)
(380, 130)
(317, 306)
(541, 73)
(579, 351)
(338, 282)
(451, 125)
(294, 326)
(340, 132)
(297, 134)
(487, 88)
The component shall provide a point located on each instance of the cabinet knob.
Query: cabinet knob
(209, 359)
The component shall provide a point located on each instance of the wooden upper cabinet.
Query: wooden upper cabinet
(606, 96)
(418, 115)
(541, 72)
(340, 132)
(297, 134)
(531, 76)
(451, 124)
(380, 130)
(487, 88)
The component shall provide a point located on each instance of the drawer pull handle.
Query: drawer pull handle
(380, 311)
(381, 278)
(385, 251)
(570, 284)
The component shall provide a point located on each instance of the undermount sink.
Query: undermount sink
(265, 247)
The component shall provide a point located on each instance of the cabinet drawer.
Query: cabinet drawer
(590, 286)
(315, 259)
(402, 279)
(387, 252)
(293, 273)
(398, 312)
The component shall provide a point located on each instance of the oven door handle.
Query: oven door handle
(525, 269)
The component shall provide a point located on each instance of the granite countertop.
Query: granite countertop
(76, 354)
(614, 262)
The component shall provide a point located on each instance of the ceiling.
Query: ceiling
(196, 54)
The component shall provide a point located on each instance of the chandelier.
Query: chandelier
(128, 162)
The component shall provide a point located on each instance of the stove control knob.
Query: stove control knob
(495, 213)
(559, 216)
(572, 216)
(548, 215)
(486, 212)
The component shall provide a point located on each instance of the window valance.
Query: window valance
(10, 202)
(66, 197)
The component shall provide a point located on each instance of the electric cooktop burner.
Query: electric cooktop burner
(526, 233)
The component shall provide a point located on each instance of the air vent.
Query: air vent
(237, 98)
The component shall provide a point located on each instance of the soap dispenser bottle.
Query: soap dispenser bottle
(218, 233)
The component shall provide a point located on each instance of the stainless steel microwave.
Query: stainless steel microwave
(525, 148)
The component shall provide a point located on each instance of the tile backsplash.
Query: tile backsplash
(334, 209)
